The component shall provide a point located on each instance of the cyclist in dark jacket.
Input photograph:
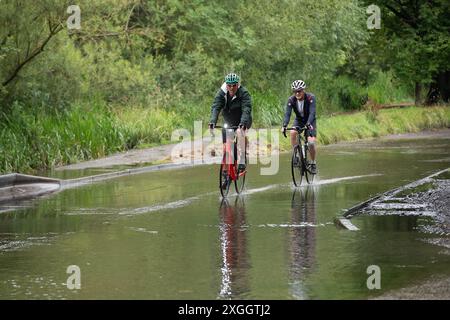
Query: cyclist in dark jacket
(304, 106)
(236, 105)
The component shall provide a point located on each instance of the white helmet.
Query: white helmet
(298, 85)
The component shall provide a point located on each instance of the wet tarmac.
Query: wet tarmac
(169, 235)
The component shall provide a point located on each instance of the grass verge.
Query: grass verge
(33, 141)
(372, 124)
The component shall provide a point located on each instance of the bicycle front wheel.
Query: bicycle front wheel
(309, 176)
(224, 178)
(239, 183)
(296, 167)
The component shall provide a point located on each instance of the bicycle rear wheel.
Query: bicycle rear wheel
(296, 167)
(224, 178)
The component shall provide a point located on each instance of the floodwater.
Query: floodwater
(168, 234)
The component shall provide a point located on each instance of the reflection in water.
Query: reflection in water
(302, 239)
(233, 242)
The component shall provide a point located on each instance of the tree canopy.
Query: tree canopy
(163, 52)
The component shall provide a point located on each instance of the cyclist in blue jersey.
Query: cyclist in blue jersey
(304, 106)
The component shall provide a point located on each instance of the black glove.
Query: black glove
(283, 129)
(242, 126)
(211, 125)
(309, 127)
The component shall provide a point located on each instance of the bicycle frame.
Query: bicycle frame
(301, 140)
(229, 157)
(302, 147)
(229, 171)
(303, 144)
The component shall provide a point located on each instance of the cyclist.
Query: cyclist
(304, 106)
(236, 103)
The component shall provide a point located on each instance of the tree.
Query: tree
(26, 29)
(414, 40)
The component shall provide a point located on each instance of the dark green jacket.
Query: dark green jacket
(235, 111)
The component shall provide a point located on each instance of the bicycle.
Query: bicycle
(229, 167)
(300, 165)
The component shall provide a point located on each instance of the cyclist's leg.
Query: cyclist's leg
(241, 138)
(312, 147)
(241, 145)
(227, 140)
(311, 138)
(230, 146)
(294, 134)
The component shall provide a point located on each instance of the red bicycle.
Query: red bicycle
(229, 171)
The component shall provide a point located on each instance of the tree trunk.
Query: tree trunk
(439, 88)
(418, 91)
(433, 94)
(443, 83)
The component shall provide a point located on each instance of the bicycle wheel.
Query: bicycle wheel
(296, 167)
(239, 183)
(309, 176)
(224, 178)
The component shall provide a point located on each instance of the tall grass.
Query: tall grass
(362, 125)
(151, 126)
(31, 140)
(145, 126)
(343, 93)
(267, 109)
(384, 88)
(390, 121)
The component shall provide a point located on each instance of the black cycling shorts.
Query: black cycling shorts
(309, 133)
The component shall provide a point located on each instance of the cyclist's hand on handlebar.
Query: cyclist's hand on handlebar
(309, 126)
(283, 130)
(211, 125)
(242, 126)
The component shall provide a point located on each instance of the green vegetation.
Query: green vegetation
(414, 43)
(138, 69)
(33, 140)
(370, 124)
(68, 137)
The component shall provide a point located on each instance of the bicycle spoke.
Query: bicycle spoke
(296, 167)
(308, 174)
(239, 183)
(224, 179)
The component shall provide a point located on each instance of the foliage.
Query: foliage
(389, 121)
(32, 140)
(150, 66)
(414, 39)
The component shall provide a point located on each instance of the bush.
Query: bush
(268, 109)
(350, 95)
(384, 88)
(32, 140)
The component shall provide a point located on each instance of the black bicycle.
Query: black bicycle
(300, 163)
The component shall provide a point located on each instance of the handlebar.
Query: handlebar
(298, 129)
(231, 127)
(221, 127)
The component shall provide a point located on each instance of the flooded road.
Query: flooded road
(168, 235)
